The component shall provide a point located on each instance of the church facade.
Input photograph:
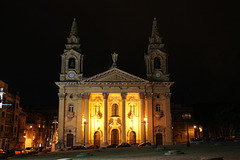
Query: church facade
(114, 107)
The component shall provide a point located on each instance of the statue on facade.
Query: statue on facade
(114, 58)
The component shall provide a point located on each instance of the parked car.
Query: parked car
(19, 151)
(123, 145)
(145, 144)
(30, 150)
(10, 152)
(112, 146)
(3, 154)
(79, 147)
(196, 141)
(219, 140)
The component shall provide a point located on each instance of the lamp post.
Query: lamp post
(145, 129)
(84, 121)
(186, 117)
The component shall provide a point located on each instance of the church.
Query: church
(114, 107)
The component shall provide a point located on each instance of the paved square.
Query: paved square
(229, 151)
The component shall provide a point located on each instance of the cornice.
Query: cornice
(115, 84)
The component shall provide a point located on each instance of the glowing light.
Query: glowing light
(84, 120)
(30, 126)
(200, 129)
(194, 127)
(145, 119)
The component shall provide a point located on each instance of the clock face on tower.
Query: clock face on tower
(157, 75)
(71, 75)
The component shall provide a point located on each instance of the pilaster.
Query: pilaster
(105, 98)
(143, 123)
(61, 116)
(79, 118)
(123, 117)
(168, 119)
(150, 118)
(86, 116)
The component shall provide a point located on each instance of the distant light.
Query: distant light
(84, 120)
(30, 126)
(194, 126)
(145, 119)
(24, 136)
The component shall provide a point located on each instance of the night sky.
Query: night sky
(202, 40)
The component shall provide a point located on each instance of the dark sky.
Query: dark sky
(202, 40)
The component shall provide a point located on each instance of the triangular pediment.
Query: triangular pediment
(114, 75)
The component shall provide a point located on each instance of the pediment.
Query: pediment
(114, 75)
(71, 53)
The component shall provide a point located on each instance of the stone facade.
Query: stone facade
(114, 106)
(10, 114)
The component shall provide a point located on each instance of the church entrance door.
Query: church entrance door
(97, 139)
(132, 137)
(159, 139)
(69, 140)
(115, 137)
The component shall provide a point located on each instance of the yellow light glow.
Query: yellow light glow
(200, 129)
(145, 119)
(84, 120)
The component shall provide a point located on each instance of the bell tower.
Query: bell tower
(156, 58)
(72, 59)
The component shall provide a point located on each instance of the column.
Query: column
(105, 111)
(61, 118)
(168, 130)
(79, 118)
(150, 118)
(86, 116)
(123, 118)
(143, 123)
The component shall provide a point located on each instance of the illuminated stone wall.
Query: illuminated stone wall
(82, 119)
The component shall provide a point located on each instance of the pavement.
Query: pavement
(228, 151)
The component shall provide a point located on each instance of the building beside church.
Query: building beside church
(10, 115)
(114, 107)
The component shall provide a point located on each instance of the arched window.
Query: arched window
(70, 108)
(158, 108)
(71, 63)
(157, 63)
(114, 109)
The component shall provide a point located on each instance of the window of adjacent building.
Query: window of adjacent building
(70, 108)
(158, 108)
(15, 129)
(71, 63)
(1, 128)
(157, 63)
(3, 114)
(114, 109)
(16, 117)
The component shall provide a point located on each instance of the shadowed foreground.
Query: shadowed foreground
(228, 151)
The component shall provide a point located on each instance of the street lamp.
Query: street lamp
(145, 128)
(186, 117)
(84, 121)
